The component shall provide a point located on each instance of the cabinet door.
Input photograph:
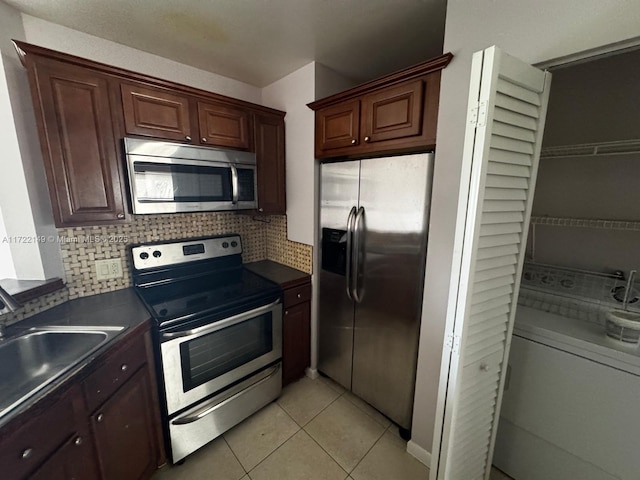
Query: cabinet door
(224, 126)
(156, 113)
(338, 126)
(75, 460)
(80, 152)
(394, 112)
(270, 153)
(124, 431)
(296, 347)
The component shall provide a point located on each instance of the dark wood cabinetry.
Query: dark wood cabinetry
(224, 126)
(296, 332)
(396, 113)
(81, 158)
(270, 153)
(155, 113)
(84, 109)
(105, 424)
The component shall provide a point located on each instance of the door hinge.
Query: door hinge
(479, 115)
(453, 342)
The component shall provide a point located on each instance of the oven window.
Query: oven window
(157, 182)
(209, 356)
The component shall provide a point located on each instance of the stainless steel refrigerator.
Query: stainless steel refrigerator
(373, 222)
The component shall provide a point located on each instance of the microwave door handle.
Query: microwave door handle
(222, 323)
(350, 219)
(234, 185)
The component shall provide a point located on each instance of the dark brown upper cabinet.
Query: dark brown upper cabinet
(270, 153)
(393, 114)
(155, 113)
(224, 126)
(81, 156)
(84, 109)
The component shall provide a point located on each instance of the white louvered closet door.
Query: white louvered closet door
(507, 109)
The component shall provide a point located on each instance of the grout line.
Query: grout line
(330, 456)
(368, 451)
(234, 455)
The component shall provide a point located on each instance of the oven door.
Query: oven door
(199, 362)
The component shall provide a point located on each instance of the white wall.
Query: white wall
(63, 39)
(535, 32)
(24, 201)
(291, 94)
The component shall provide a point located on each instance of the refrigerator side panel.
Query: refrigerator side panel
(339, 189)
(395, 193)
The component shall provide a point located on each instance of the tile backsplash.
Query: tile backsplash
(263, 238)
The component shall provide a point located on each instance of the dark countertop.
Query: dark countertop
(121, 308)
(285, 276)
(24, 290)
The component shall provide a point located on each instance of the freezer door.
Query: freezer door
(338, 198)
(391, 230)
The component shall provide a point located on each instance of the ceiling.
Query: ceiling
(260, 41)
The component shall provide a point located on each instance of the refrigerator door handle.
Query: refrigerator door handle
(350, 232)
(359, 234)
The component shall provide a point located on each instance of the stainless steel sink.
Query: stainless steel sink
(33, 360)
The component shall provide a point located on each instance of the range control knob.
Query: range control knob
(234, 244)
(157, 253)
(144, 255)
(225, 244)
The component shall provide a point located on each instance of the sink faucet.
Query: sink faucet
(628, 289)
(7, 304)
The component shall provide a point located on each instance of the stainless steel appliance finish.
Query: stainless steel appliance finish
(374, 223)
(33, 360)
(219, 335)
(167, 177)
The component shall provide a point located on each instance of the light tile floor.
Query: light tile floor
(314, 431)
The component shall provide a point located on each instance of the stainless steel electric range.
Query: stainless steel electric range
(218, 330)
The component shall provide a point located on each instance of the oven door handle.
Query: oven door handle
(215, 404)
(227, 322)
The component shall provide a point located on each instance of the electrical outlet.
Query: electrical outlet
(109, 268)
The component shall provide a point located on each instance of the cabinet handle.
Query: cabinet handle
(100, 417)
(188, 138)
(27, 453)
(353, 142)
(78, 441)
(261, 209)
(367, 139)
(299, 295)
(204, 140)
(124, 367)
(286, 312)
(120, 216)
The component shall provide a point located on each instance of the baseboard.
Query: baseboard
(419, 453)
(312, 373)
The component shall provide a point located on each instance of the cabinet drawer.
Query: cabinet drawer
(116, 370)
(296, 295)
(26, 448)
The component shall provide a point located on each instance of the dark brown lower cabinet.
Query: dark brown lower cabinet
(74, 460)
(105, 424)
(296, 332)
(123, 429)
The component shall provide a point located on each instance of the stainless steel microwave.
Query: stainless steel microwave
(167, 177)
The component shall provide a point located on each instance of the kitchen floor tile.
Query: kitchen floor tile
(345, 432)
(389, 460)
(260, 434)
(368, 409)
(335, 385)
(215, 457)
(306, 398)
(498, 475)
(299, 458)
